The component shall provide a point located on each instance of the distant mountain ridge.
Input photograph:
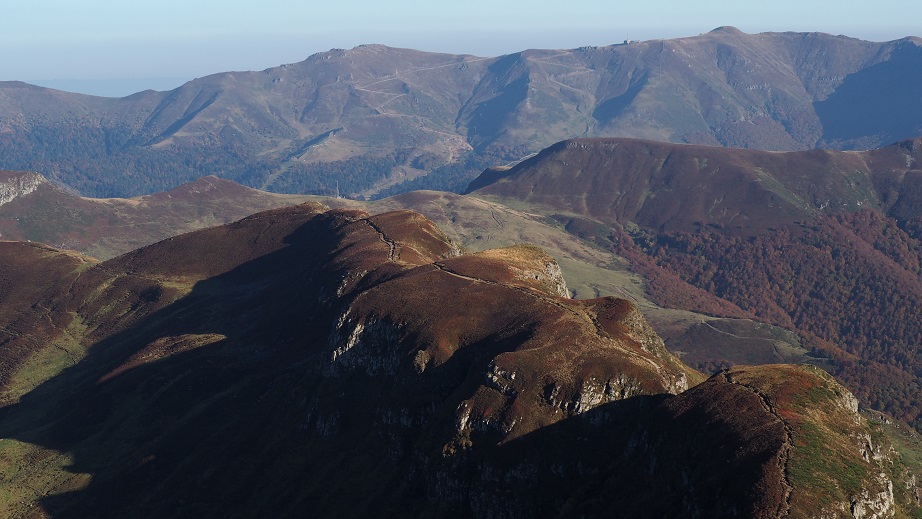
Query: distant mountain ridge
(34, 209)
(671, 187)
(373, 117)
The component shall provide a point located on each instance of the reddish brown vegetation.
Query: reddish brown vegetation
(824, 243)
(850, 280)
(784, 432)
(667, 288)
(668, 187)
(29, 275)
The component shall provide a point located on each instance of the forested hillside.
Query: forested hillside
(826, 244)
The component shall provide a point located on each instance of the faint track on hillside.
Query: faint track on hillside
(406, 72)
(499, 222)
(526, 157)
(70, 355)
(772, 342)
(397, 73)
(393, 253)
(530, 292)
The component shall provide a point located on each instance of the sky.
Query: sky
(117, 47)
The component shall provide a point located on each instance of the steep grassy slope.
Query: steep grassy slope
(340, 364)
(372, 117)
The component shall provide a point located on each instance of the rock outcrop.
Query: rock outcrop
(15, 184)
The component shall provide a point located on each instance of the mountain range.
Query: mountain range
(377, 120)
(658, 298)
(247, 359)
(712, 244)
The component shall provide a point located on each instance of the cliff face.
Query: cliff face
(13, 185)
(334, 363)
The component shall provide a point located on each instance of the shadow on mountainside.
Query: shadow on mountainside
(856, 110)
(194, 419)
(223, 403)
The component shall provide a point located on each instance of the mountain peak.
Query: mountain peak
(726, 29)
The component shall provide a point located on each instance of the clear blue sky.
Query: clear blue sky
(168, 41)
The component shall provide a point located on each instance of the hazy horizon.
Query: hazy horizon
(93, 47)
